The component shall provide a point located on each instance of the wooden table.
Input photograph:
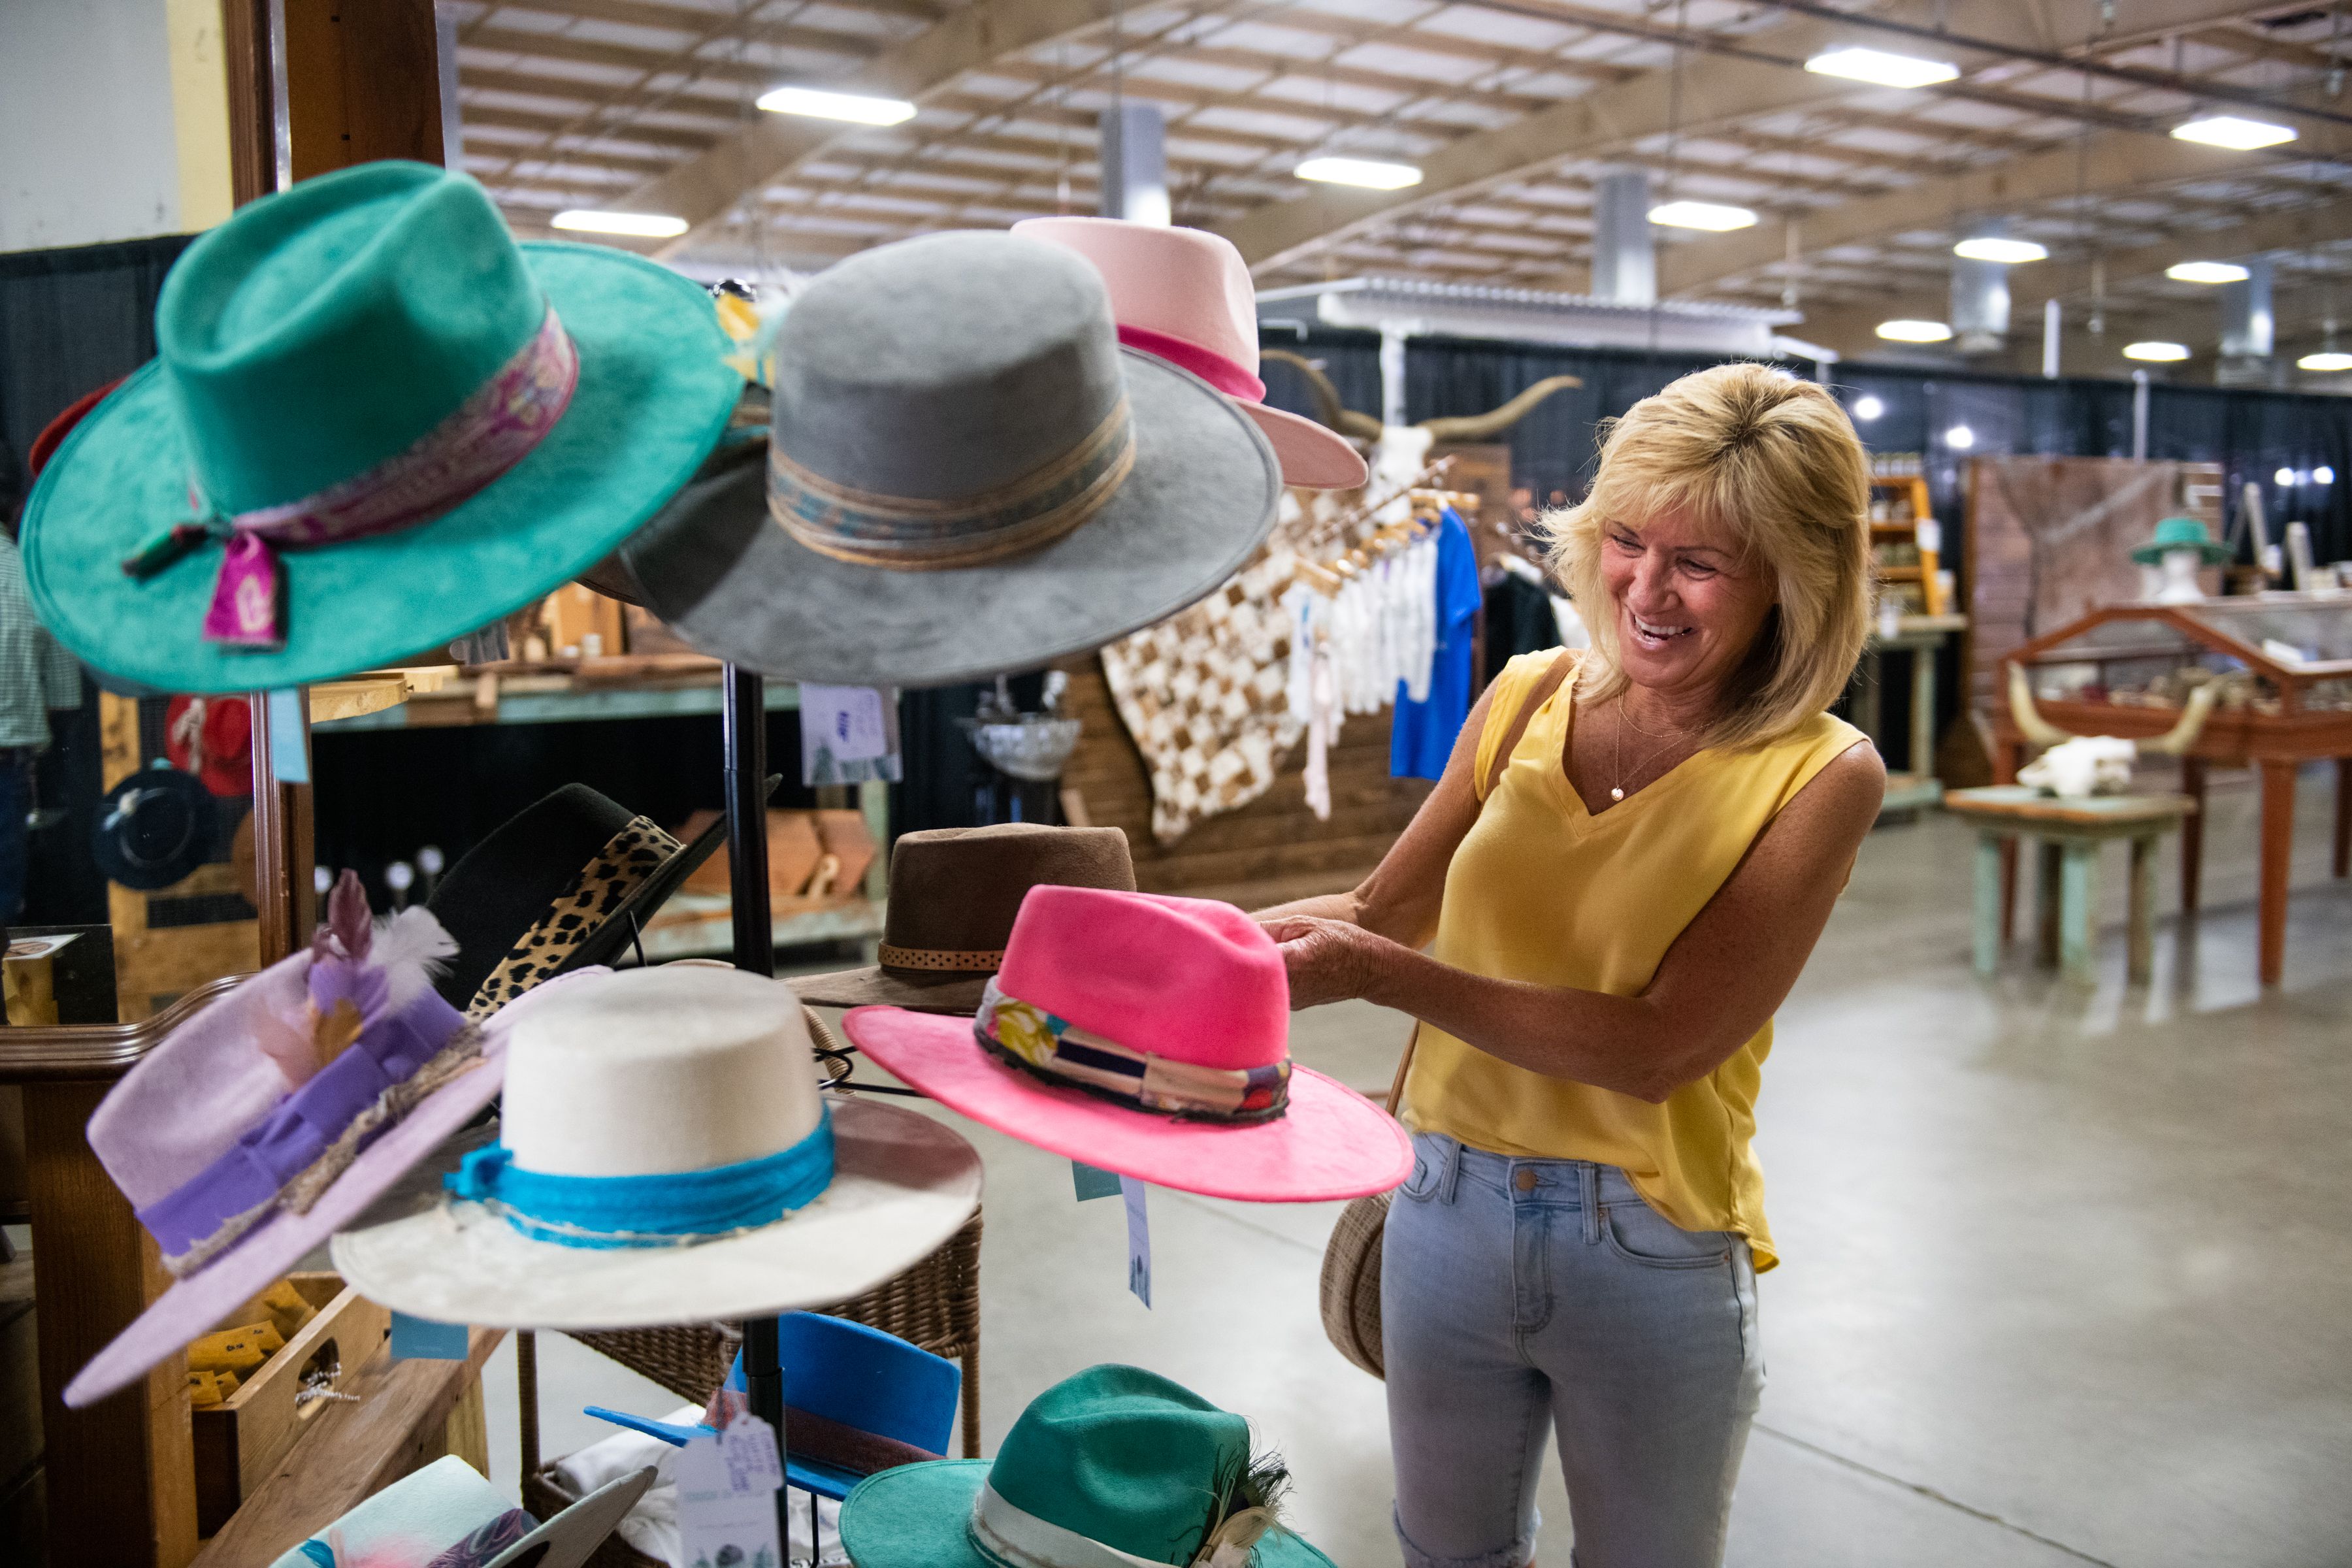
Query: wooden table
(1920, 637)
(2273, 744)
(2071, 832)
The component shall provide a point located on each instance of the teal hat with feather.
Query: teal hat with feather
(374, 422)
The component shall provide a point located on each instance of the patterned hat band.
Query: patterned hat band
(940, 960)
(905, 535)
(595, 892)
(499, 424)
(1025, 1036)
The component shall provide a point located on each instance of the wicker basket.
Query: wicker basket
(935, 1305)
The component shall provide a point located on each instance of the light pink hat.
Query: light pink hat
(1185, 296)
(273, 1117)
(1149, 1035)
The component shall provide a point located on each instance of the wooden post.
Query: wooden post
(2192, 834)
(2140, 939)
(120, 1475)
(2005, 762)
(2278, 857)
(2344, 816)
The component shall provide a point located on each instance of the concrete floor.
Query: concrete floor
(2065, 1270)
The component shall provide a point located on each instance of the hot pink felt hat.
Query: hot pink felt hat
(1186, 294)
(274, 1116)
(1149, 1035)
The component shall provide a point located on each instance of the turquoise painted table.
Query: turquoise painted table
(2071, 834)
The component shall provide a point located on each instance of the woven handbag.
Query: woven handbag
(1351, 1285)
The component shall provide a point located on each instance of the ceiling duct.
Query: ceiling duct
(1135, 163)
(1624, 246)
(2249, 329)
(1981, 297)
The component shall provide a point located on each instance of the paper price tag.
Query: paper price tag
(421, 1338)
(1138, 1240)
(727, 1485)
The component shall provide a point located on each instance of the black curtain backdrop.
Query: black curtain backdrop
(70, 319)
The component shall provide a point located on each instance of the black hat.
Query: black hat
(155, 828)
(562, 885)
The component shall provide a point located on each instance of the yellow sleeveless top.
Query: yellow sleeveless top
(1542, 890)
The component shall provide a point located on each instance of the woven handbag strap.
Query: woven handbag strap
(1537, 698)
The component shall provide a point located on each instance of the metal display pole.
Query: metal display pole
(743, 723)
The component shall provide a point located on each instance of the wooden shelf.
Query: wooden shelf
(551, 696)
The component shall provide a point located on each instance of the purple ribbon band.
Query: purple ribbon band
(495, 429)
(242, 1185)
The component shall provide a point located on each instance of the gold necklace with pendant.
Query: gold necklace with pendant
(1617, 791)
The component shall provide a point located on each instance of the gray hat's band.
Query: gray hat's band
(907, 534)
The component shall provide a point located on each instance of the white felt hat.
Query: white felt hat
(666, 1157)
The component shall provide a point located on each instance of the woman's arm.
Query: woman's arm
(1722, 979)
(1400, 900)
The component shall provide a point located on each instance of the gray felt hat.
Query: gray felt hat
(966, 475)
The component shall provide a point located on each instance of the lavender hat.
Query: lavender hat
(280, 1111)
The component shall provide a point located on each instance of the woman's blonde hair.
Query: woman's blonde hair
(1773, 463)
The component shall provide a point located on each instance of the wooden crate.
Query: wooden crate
(239, 1443)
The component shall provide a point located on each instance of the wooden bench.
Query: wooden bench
(2071, 833)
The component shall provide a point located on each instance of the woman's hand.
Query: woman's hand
(1327, 959)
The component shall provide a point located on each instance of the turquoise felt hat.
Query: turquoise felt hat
(2181, 533)
(374, 422)
(1115, 1467)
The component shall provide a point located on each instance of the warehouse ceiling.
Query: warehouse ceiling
(2059, 121)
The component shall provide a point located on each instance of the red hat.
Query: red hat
(58, 429)
(212, 737)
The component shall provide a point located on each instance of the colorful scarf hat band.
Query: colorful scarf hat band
(670, 1209)
(1229, 376)
(1027, 1037)
(311, 1137)
(1007, 1536)
(498, 426)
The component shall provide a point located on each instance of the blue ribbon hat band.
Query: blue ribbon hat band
(672, 1209)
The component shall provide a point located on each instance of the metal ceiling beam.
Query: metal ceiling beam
(703, 188)
(2293, 229)
(2112, 163)
(1716, 90)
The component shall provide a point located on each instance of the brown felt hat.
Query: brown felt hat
(953, 894)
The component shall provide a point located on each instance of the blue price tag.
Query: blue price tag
(421, 1338)
(1138, 1240)
(289, 759)
(1093, 1181)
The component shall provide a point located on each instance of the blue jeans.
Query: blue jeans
(1522, 1298)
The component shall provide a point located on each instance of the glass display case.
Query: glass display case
(2282, 663)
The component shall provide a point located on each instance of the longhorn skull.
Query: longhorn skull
(1400, 451)
(2079, 765)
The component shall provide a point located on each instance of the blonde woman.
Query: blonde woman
(1594, 917)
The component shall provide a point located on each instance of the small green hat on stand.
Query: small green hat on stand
(2181, 533)
(1115, 1464)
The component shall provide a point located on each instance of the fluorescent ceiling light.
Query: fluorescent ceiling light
(1906, 332)
(1959, 438)
(1713, 216)
(2230, 130)
(1880, 69)
(1986, 247)
(857, 108)
(2325, 358)
(2157, 352)
(643, 225)
(1868, 407)
(2206, 272)
(1368, 173)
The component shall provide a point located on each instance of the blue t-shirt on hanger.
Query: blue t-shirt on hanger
(1422, 736)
